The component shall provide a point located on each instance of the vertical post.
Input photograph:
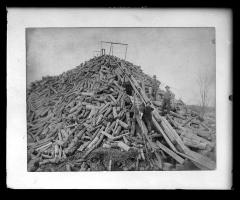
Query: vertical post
(101, 49)
(110, 49)
(126, 52)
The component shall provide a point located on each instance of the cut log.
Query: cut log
(195, 144)
(198, 139)
(159, 160)
(157, 126)
(173, 134)
(189, 120)
(173, 123)
(123, 146)
(133, 127)
(171, 153)
(128, 119)
(114, 111)
(204, 134)
(123, 124)
(108, 135)
(177, 115)
(118, 130)
(157, 103)
(205, 126)
(201, 161)
(87, 93)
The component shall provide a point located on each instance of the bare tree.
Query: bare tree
(204, 82)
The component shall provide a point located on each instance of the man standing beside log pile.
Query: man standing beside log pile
(167, 97)
(147, 116)
(155, 88)
(127, 85)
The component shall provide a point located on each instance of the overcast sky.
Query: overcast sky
(174, 55)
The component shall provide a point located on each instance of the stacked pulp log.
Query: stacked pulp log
(84, 120)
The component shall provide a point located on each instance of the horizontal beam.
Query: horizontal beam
(114, 43)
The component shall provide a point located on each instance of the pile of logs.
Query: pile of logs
(86, 111)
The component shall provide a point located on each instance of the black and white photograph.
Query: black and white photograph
(98, 101)
(107, 99)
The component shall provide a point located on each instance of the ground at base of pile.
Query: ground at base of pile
(111, 159)
(101, 159)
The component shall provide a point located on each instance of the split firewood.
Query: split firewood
(195, 144)
(167, 166)
(74, 143)
(123, 124)
(173, 123)
(47, 161)
(204, 134)
(128, 119)
(114, 112)
(133, 127)
(188, 120)
(87, 93)
(47, 156)
(108, 135)
(120, 136)
(118, 130)
(123, 146)
(44, 146)
(177, 115)
(191, 136)
(205, 126)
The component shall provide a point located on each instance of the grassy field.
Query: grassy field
(197, 108)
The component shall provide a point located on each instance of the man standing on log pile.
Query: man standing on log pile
(168, 95)
(155, 87)
(147, 116)
(127, 102)
(127, 85)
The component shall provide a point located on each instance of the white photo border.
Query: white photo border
(21, 18)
